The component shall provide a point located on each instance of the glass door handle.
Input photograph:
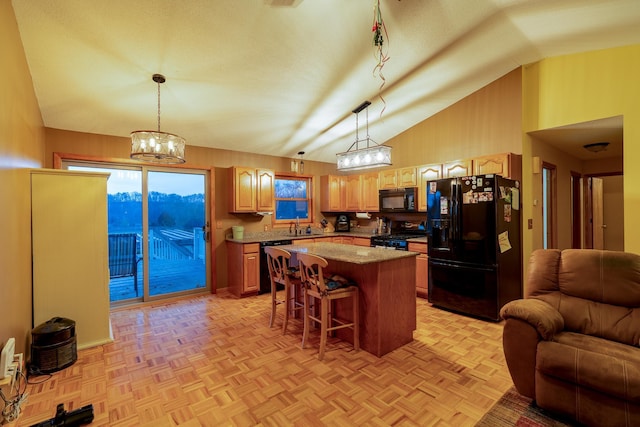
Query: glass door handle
(206, 234)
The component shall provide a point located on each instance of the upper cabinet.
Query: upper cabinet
(398, 178)
(407, 177)
(332, 193)
(251, 190)
(353, 187)
(426, 173)
(349, 193)
(388, 179)
(508, 165)
(266, 190)
(369, 201)
(457, 168)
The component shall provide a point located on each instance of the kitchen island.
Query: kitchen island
(387, 282)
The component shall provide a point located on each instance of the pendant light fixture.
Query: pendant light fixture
(370, 155)
(301, 164)
(155, 146)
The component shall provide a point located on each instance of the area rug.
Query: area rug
(513, 409)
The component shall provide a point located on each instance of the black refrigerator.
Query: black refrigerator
(475, 254)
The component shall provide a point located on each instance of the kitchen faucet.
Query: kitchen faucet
(296, 226)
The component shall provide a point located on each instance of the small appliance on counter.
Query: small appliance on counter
(343, 223)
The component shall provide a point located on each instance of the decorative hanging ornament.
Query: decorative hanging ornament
(379, 33)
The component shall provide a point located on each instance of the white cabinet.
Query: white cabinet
(71, 252)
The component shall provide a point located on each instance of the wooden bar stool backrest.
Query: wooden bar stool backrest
(280, 273)
(315, 286)
(311, 274)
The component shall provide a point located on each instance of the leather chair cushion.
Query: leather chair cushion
(607, 367)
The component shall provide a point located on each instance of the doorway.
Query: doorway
(549, 202)
(158, 230)
(604, 212)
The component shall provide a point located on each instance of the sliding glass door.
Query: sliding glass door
(176, 227)
(158, 226)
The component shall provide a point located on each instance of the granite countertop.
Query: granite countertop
(349, 253)
(267, 236)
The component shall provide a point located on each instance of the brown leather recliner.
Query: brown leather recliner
(573, 342)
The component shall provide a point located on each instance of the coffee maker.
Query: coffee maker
(343, 223)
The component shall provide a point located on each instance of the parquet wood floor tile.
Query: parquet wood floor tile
(213, 361)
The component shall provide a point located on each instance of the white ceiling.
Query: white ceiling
(282, 76)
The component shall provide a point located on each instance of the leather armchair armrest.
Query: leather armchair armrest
(543, 317)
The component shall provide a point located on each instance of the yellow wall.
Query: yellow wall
(21, 146)
(578, 88)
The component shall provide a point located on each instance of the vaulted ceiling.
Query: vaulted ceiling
(282, 76)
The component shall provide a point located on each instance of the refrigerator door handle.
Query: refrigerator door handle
(457, 266)
(455, 212)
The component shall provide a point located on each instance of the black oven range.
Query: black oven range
(397, 241)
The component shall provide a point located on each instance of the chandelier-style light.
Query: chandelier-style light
(156, 146)
(370, 155)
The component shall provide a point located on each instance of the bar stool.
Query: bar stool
(315, 286)
(280, 273)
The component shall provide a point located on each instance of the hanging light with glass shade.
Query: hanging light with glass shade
(156, 146)
(364, 153)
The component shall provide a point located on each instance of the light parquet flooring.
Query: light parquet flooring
(213, 361)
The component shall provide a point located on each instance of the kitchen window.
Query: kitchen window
(293, 199)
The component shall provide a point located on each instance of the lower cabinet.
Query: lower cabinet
(422, 268)
(361, 241)
(243, 261)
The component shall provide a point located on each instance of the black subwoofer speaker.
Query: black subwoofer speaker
(53, 345)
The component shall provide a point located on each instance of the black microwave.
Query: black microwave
(398, 200)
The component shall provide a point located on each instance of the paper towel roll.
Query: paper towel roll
(363, 215)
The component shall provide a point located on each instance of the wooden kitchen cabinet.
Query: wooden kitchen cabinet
(353, 187)
(369, 194)
(345, 240)
(388, 179)
(457, 168)
(266, 190)
(398, 178)
(243, 261)
(252, 190)
(422, 268)
(361, 241)
(349, 193)
(407, 177)
(426, 173)
(302, 241)
(508, 165)
(332, 193)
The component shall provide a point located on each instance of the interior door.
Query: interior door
(597, 213)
